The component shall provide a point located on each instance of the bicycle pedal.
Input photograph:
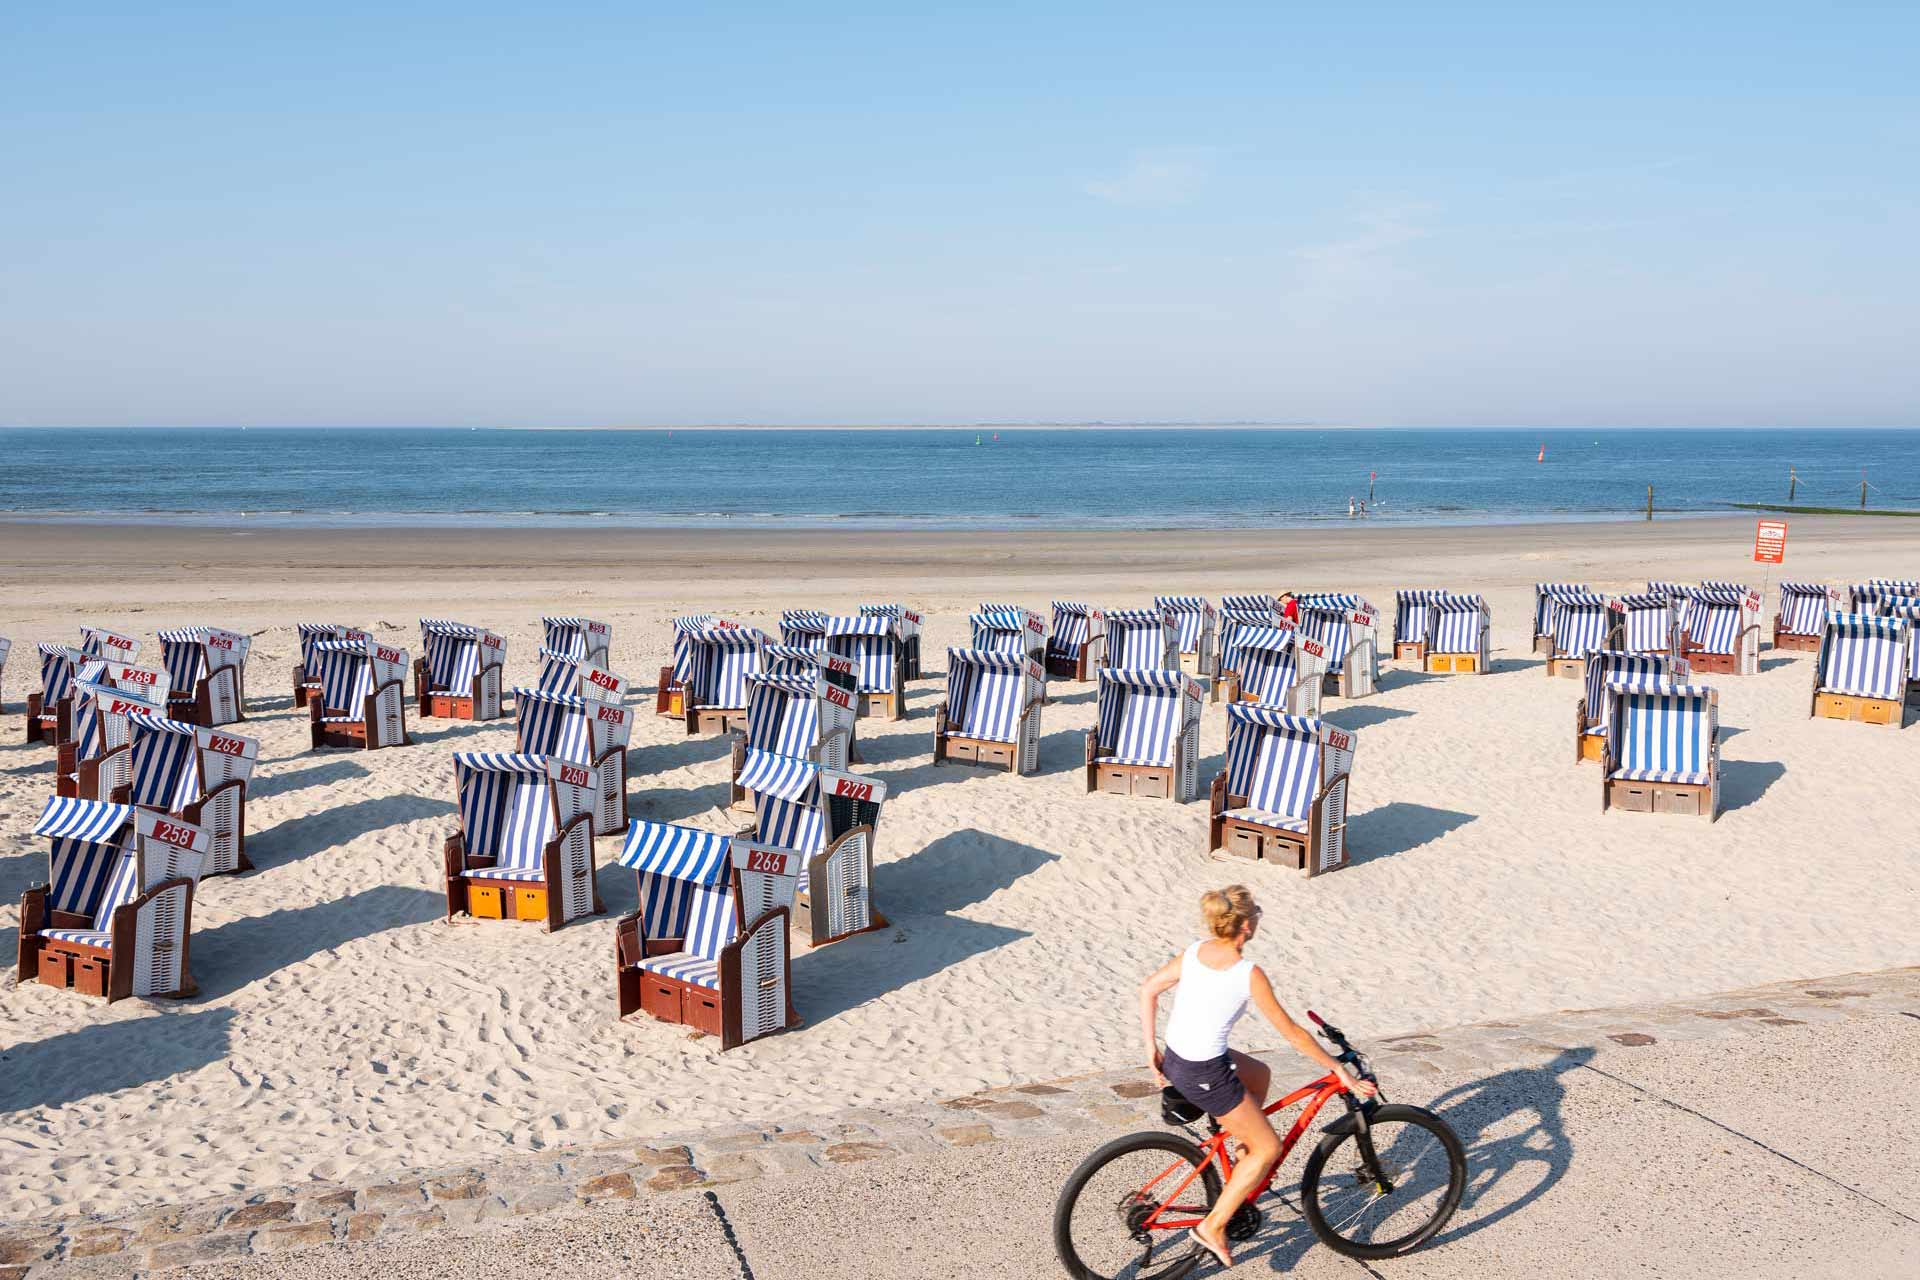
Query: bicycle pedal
(1245, 1224)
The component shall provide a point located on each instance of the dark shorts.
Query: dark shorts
(1213, 1086)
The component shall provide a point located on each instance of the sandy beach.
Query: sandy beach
(344, 1027)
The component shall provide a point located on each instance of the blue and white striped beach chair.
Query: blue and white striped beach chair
(1141, 639)
(810, 717)
(1258, 610)
(1864, 663)
(1344, 624)
(872, 643)
(1411, 610)
(461, 672)
(524, 848)
(114, 916)
(1544, 594)
(207, 669)
(1008, 628)
(685, 957)
(669, 697)
(1279, 666)
(1722, 624)
(1908, 610)
(1650, 623)
(362, 698)
(586, 641)
(1076, 649)
(110, 646)
(198, 775)
(1283, 795)
(588, 732)
(711, 673)
(909, 623)
(95, 763)
(1617, 666)
(1663, 749)
(563, 677)
(1801, 618)
(1146, 735)
(306, 672)
(1197, 624)
(991, 714)
(50, 711)
(803, 628)
(1865, 597)
(1459, 632)
(1582, 623)
(830, 818)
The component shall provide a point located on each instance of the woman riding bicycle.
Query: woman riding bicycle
(1214, 984)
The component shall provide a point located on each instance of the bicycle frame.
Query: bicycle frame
(1316, 1096)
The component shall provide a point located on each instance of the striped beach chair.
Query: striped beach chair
(306, 672)
(669, 697)
(1411, 609)
(114, 916)
(588, 732)
(50, 711)
(797, 660)
(1076, 650)
(524, 848)
(1245, 611)
(362, 698)
(1544, 594)
(564, 677)
(197, 775)
(1283, 795)
(1722, 624)
(1343, 623)
(95, 762)
(829, 817)
(1582, 623)
(1197, 624)
(1864, 663)
(1459, 631)
(803, 628)
(1146, 735)
(1141, 639)
(809, 717)
(1865, 597)
(708, 947)
(712, 674)
(582, 639)
(1801, 618)
(109, 646)
(1279, 667)
(1663, 750)
(910, 622)
(991, 715)
(461, 671)
(207, 669)
(1617, 666)
(1908, 610)
(1650, 623)
(1008, 628)
(872, 643)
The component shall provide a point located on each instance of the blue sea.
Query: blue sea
(1069, 477)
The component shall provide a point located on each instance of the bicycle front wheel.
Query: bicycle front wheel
(1100, 1223)
(1423, 1172)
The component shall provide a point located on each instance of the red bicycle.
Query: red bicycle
(1381, 1183)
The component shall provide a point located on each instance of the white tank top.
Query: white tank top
(1206, 1004)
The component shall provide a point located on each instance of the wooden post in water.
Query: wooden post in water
(1649, 503)
(1863, 488)
(1793, 482)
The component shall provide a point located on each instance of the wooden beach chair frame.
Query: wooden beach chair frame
(207, 671)
(50, 710)
(705, 647)
(1875, 652)
(1243, 679)
(1196, 623)
(1544, 594)
(910, 622)
(1321, 846)
(1740, 657)
(470, 680)
(594, 733)
(306, 670)
(669, 698)
(587, 641)
(1458, 638)
(831, 819)
(1581, 624)
(1123, 755)
(1662, 793)
(565, 886)
(380, 718)
(95, 761)
(1800, 618)
(120, 888)
(1014, 744)
(1077, 644)
(873, 645)
(1344, 624)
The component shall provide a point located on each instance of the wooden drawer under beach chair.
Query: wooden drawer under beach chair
(1263, 844)
(718, 720)
(1847, 706)
(507, 900)
(1572, 668)
(1453, 663)
(1660, 797)
(1154, 782)
(995, 755)
(1409, 650)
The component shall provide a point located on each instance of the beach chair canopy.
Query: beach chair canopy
(190, 654)
(91, 865)
(1455, 622)
(1662, 733)
(872, 644)
(512, 805)
(1330, 619)
(685, 892)
(313, 634)
(1634, 670)
(98, 642)
(345, 675)
(1141, 712)
(1192, 616)
(1260, 607)
(986, 693)
(1074, 624)
(1274, 761)
(1141, 638)
(789, 660)
(1649, 621)
(580, 730)
(718, 659)
(1803, 607)
(1007, 628)
(803, 627)
(1866, 655)
(165, 769)
(1544, 594)
(909, 620)
(1410, 610)
(1715, 612)
(101, 714)
(1867, 596)
(582, 639)
(456, 651)
(1269, 661)
(783, 712)
(59, 668)
(1579, 623)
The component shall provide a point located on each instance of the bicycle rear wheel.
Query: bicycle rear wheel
(1099, 1222)
(1425, 1169)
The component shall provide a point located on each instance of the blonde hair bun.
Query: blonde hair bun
(1228, 911)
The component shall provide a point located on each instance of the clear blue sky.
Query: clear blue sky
(620, 213)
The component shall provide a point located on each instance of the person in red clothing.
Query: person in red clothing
(1289, 607)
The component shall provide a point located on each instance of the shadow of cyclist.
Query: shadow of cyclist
(1517, 1148)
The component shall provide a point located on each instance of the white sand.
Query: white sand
(343, 1028)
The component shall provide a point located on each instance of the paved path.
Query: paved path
(1773, 1132)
